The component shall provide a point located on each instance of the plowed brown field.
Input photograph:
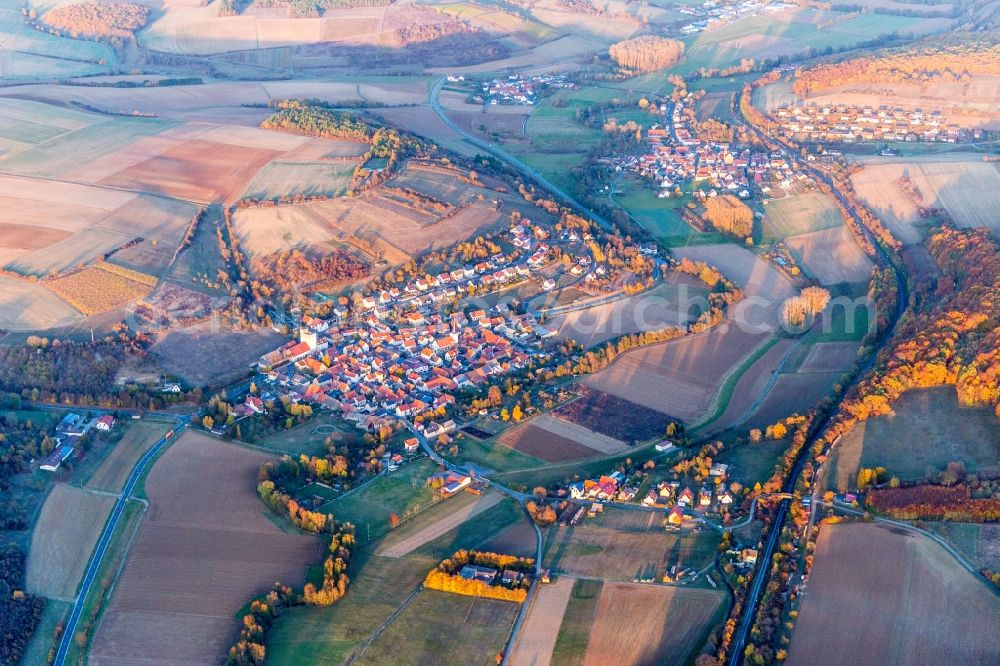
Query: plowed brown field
(205, 547)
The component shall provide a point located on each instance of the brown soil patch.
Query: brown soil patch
(197, 170)
(538, 636)
(29, 237)
(69, 525)
(831, 255)
(643, 624)
(889, 597)
(211, 352)
(544, 445)
(793, 394)
(518, 539)
(205, 547)
(830, 357)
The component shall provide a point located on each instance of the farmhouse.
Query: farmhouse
(474, 572)
(450, 482)
(56, 458)
(72, 425)
(105, 423)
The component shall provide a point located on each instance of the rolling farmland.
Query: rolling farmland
(64, 537)
(191, 569)
(887, 596)
(964, 185)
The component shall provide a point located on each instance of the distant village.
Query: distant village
(844, 123)
(518, 90)
(678, 157)
(712, 13)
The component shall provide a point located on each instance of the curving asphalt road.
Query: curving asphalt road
(102, 544)
(504, 156)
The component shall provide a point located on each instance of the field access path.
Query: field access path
(109, 528)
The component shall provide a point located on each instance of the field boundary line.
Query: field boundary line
(729, 381)
(385, 625)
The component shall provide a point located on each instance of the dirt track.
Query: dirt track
(442, 526)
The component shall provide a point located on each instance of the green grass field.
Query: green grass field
(454, 628)
(404, 492)
(33, 54)
(574, 632)
(307, 439)
(841, 325)
(751, 463)
(928, 430)
(800, 214)
(107, 573)
(279, 179)
(379, 586)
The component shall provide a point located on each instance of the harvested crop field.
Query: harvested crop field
(830, 357)
(102, 287)
(831, 255)
(139, 437)
(624, 554)
(681, 377)
(265, 230)
(402, 547)
(885, 596)
(544, 445)
(927, 431)
(644, 624)
(589, 438)
(206, 546)
(793, 394)
(669, 304)
(964, 185)
(537, 637)
(63, 540)
(198, 170)
(28, 306)
(211, 352)
(284, 179)
(438, 627)
(801, 214)
(615, 417)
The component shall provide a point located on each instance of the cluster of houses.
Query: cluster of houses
(845, 123)
(491, 576)
(677, 156)
(517, 89)
(491, 274)
(714, 13)
(67, 436)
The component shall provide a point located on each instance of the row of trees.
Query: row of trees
(927, 501)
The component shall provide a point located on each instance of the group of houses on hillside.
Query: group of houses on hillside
(678, 157)
(516, 89)
(845, 123)
(714, 13)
